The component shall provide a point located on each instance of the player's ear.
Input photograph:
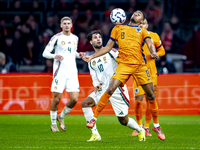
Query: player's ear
(91, 42)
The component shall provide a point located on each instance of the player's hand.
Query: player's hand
(59, 57)
(96, 88)
(87, 58)
(82, 54)
(154, 56)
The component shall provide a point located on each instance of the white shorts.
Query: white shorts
(119, 100)
(60, 82)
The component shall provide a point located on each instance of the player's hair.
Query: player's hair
(2, 55)
(65, 18)
(144, 15)
(89, 36)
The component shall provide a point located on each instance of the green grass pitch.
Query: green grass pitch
(33, 132)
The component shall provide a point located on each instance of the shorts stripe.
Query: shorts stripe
(124, 96)
(56, 72)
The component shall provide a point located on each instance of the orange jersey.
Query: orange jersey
(160, 51)
(129, 39)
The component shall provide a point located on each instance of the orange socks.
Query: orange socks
(154, 110)
(101, 104)
(138, 111)
(147, 115)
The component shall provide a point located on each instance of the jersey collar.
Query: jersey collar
(131, 25)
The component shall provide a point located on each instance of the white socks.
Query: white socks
(133, 125)
(53, 115)
(156, 125)
(65, 111)
(88, 113)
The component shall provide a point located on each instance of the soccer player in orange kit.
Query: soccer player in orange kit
(139, 92)
(131, 62)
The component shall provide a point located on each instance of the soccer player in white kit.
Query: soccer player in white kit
(102, 69)
(65, 74)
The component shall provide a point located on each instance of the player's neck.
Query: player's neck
(98, 49)
(134, 24)
(66, 32)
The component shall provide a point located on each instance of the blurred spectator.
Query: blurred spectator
(98, 5)
(105, 30)
(165, 66)
(48, 66)
(6, 66)
(16, 21)
(30, 53)
(85, 5)
(167, 36)
(18, 44)
(33, 24)
(84, 45)
(171, 41)
(191, 49)
(132, 7)
(88, 21)
(35, 6)
(153, 14)
(10, 50)
(17, 6)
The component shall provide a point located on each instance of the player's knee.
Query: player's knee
(74, 100)
(122, 121)
(151, 96)
(56, 100)
(83, 104)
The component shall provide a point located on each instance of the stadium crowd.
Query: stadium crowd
(26, 26)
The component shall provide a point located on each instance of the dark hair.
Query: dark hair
(144, 15)
(89, 36)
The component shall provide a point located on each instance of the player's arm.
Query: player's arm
(152, 49)
(103, 51)
(159, 47)
(49, 48)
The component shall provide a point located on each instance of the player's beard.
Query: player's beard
(98, 46)
(133, 20)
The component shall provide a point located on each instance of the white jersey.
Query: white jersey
(65, 74)
(66, 46)
(102, 68)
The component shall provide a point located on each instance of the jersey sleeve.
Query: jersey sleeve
(95, 80)
(159, 47)
(50, 47)
(75, 48)
(113, 53)
(145, 34)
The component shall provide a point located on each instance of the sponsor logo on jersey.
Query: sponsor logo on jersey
(136, 90)
(99, 61)
(63, 42)
(121, 113)
(94, 63)
(55, 88)
(138, 29)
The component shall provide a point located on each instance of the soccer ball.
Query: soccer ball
(118, 16)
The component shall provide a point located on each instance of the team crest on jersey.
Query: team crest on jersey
(114, 73)
(63, 42)
(136, 90)
(104, 58)
(94, 63)
(138, 29)
(55, 88)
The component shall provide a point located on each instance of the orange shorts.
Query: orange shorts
(139, 90)
(139, 72)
